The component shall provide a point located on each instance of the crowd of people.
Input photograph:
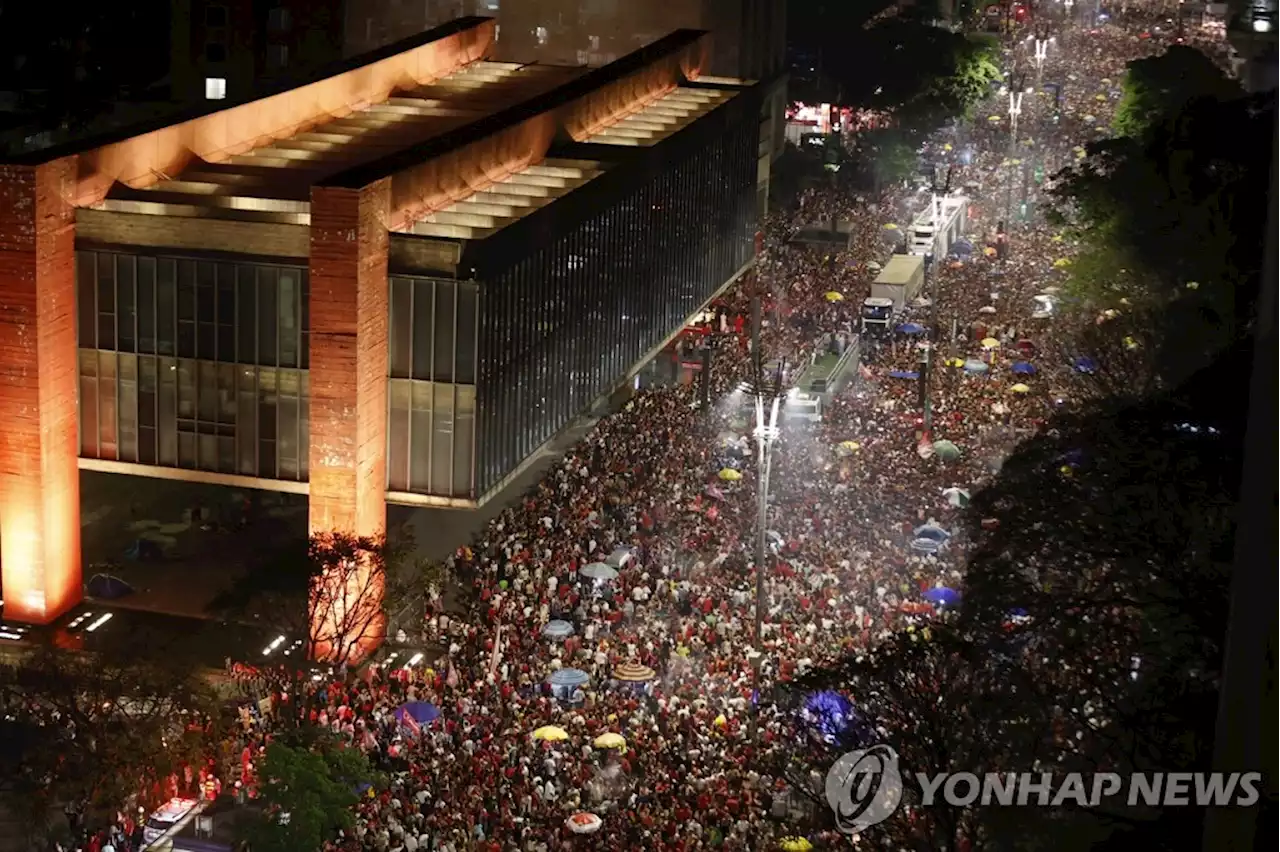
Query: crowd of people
(661, 649)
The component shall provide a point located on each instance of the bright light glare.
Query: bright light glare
(275, 643)
(101, 620)
(414, 660)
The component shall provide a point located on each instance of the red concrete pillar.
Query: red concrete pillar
(349, 304)
(39, 478)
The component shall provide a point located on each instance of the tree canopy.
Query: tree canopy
(336, 592)
(308, 793)
(1091, 633)
(1173, 220)
(1157, 87)
(92, 730)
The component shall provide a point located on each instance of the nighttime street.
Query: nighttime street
(676, 441)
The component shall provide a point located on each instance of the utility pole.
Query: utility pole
(766, 434)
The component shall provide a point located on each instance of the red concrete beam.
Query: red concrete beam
(143, 160)
(39, 480)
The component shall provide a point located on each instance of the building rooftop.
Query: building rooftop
(272, 182)
(654, 121)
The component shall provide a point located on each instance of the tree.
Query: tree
(1091, 633)
(1157, 87)
(94, 731)
(1173, 223)
(336, 594)
(890, 153)
(309, 794)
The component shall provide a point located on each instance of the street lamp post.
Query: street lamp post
(1015, 110)
(766, 434)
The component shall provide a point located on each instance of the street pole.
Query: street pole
(766, 434)
(705, 386)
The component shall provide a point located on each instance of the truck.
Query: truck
(901, 280)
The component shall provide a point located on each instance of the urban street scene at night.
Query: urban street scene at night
(576, 426)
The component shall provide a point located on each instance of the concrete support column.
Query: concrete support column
(39, 479)
(348, 449)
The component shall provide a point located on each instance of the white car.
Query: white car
(166, 817)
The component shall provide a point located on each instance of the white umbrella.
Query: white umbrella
(598, 571)
(584, 823)
(957, 497)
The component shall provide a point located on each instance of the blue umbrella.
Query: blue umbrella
(557, 629)
(962, 247)
(107, 587)
(1085, 364)
(420, 712)
(973, 365)
(932, 531)
(903, 374)
(942, 596)
(910, 328)
(568, 677)
(1022, 368)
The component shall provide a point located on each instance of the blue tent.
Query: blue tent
(932, 531)
(557, 629)
(1023, 368)
(942, 596)
(1085, 364)
(420, 712)
(904, 374)
(568, 678)
(910, 328)
(107, 587)
(926, 545)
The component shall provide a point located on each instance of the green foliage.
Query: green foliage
(1123, 557)
(1158, 87)
(1173, 222)
(138, 715)
(309, 795)
(891, 153)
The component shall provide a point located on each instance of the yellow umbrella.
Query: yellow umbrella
(1131, 344)
(890, 227)
(610, 740)
(633, 673)
(794, 844)
(1056, 238)
(851, 446)
(730, 475)
(989, 251)
(1019, 388)
(990, 343)
(1061, 263)
(994, 118)
(833, 296)
(946, 147)
(551, 733)
(720, 721)
(1099, 97)
(954, 362)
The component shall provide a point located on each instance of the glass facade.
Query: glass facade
(193, 364)
(561, 326)
(431, 426)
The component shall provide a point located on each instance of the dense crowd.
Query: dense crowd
(667, 648)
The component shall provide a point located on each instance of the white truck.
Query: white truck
(900, 281)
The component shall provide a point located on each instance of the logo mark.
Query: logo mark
(864, 788)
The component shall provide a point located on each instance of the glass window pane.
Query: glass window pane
(167, 424)
(108, 446)
(289, 295)
(146, 304)
(420, 438)
(126, 299)
(267, 459)
(128, 407)
(166, 307)
(267, 315)
(226, 313)
(287, 430)
(247, 421)
(423, 300)
(106, 301)
(466, 346)
(87, 299)
(227, 393)
(187, 290)
(464, 424)
(186, 389)
(226, 454)
(148, 392)
(443, 343)
(187, 450)
(207, 395)
(398, 452)
(208, 447)
(246, 315)
(89, 403)
(304, 433)
(400, 327)
(442, 440)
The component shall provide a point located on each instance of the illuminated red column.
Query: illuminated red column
(349, 304)
(39, 479)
